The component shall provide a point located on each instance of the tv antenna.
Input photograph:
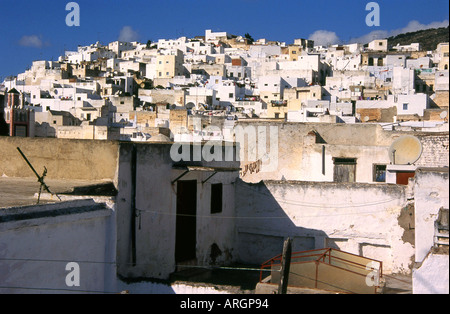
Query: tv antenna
(40, 178)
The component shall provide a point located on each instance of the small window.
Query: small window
(405, 106)
(379, 173)
(216, 198)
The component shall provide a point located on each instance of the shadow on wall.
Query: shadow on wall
(44, 129)
(4, 130)
(262, 226)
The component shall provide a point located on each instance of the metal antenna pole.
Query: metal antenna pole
(40, 178)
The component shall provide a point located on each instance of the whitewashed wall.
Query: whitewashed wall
(357, 218)
(35, 250)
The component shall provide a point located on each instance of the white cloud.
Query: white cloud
(31, 41)
(413, 26)
(324, 38)
(127, 33)
(379, 34)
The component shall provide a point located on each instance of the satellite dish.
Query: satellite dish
(443, 114)
(366, 118)
(406, 150)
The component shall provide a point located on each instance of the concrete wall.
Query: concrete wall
(364, 219)
(64, 159)
(156, 201)
(85, 131)
(435, 150)
(294, 151)
(431, 272)
(295, 155)
(431, 193)
(37, 243)
(433, 276)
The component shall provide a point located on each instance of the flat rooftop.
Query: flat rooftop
(16, 192)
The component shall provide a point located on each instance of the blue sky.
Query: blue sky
(36, 29)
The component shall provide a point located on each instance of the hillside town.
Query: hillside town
(190, 154)
(130, 91)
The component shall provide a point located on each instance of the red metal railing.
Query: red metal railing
(326, 256)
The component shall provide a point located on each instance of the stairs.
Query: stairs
(441, 231)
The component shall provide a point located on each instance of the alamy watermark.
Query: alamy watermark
(246, 143)
(73, 17)
(373, 18)
(373, 277)
(73, 277)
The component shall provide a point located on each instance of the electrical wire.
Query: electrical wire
(307, 204)
(74, 290)
(211, 267)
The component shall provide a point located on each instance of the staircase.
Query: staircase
(441, 229)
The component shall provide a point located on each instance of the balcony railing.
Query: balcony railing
(279, 103)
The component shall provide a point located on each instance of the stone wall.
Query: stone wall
(435, 150)
(363, 219)
(63, 158)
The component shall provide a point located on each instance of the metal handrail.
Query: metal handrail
(322, 255)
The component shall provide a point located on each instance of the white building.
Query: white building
(403, 81)
(211, 36)
(378, 45)
(412, 104)
(410, 47)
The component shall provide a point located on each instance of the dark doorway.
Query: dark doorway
(186, 226)
(344, 170)
(403, 176)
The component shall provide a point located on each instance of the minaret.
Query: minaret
(16, 115)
